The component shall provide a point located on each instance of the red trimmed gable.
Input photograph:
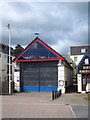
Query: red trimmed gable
(33, 53)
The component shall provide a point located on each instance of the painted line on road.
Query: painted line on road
(72, 111)
(22, 100)
(79, 104)
(33, 104)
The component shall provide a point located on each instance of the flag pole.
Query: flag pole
(9, 61)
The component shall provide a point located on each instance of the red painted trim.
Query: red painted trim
(40, 60)
(44, 44)
(49, 48)
(25, 50)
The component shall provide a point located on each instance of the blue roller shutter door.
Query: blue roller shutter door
(38, 77)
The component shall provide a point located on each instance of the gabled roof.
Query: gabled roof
(82, 60)
(37, 50)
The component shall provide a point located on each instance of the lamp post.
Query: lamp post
(9, 61)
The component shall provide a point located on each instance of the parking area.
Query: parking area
(40, 105)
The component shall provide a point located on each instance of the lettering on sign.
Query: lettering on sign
(86, 67)
(84, 71)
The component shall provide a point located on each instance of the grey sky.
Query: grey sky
(60, 25)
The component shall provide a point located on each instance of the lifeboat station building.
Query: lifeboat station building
(42, 69)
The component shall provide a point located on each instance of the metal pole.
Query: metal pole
(9, 65)
(53, 95)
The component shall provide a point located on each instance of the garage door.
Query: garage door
(39, 76)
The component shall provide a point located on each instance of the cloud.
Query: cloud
(60, 24)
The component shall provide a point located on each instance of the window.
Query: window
(37, 51)
(4, 78)
(75, 59)
(83, 50)
(86, 61)
(5, 56)
(0, 54)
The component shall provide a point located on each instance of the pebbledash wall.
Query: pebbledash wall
(42, 69)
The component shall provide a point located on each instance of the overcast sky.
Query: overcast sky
(60, 25)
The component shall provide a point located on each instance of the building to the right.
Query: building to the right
(80, 56)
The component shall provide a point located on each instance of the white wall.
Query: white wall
(65, 73)
(61, 78)
(79, 82)
(79, 57)
(16, 76)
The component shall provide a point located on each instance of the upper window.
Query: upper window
(88, 80)
(37, 51)
(75, 59)
(83, 50)
(86, 61)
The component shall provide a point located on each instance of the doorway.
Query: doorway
(84, 82)
(39, 76)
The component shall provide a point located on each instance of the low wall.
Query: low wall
(5, 87)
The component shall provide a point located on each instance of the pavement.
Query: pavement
(40, 105)
(0, 88)
(0, 107)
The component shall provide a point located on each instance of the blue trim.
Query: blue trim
(16, 70)
(86, 55)
(30, 88)
(37, 88)
(48, 88)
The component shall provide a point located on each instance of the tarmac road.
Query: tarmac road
(40, 105)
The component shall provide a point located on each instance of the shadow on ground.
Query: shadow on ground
(72, 89)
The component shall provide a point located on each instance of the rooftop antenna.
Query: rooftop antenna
(36, 34)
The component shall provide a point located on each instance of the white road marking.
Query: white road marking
(72, 111)
(34, 104)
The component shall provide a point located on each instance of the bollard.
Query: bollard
(53, 95)
(60, 92)
(57, 94)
